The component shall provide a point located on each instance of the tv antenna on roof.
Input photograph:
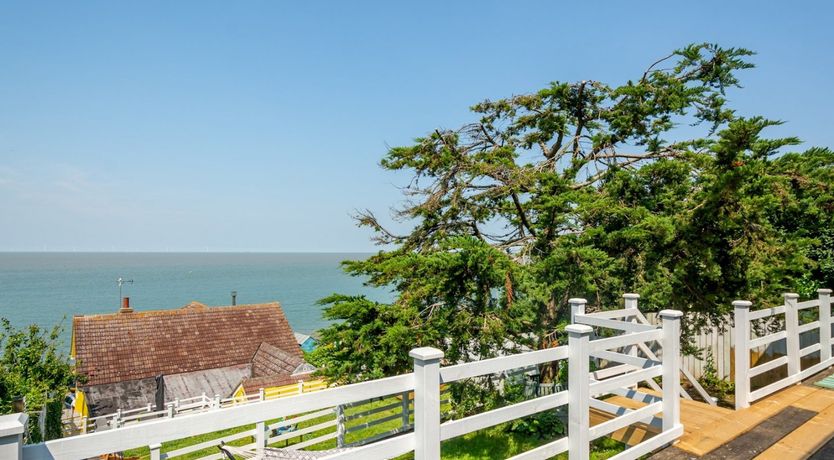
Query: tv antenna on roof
(120, 282)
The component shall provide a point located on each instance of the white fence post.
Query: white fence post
(630, 301)
(426, 402)
(741, 339)
(260, 435)
(156, 451)
(824, 296)
(404, 411)
(12, 427)
(340, 426)
(579, 391)
(792, 329)
(671, 368)
(577, 307)
(261, 394)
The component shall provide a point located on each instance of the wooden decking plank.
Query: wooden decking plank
(630, 435)
(628, 403)
(708, 428)
(824, 453)
(817, 401)
(762, 436)
(805, 440)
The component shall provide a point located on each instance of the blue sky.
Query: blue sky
(258, 126)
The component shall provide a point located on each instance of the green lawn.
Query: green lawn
(491, 443)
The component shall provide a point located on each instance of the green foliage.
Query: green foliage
(587, 190)
(543, 425)
(716, 387)
(447, 294)
(32, 367)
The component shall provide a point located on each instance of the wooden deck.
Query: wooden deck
(707, 428)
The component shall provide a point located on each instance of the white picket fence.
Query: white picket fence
(783, 323)
(715, 340)
(585, 390)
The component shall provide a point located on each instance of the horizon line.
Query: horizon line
(179, 252)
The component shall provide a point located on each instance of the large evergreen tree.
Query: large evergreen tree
(586, 189)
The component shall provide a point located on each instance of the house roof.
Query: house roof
(137, 345)
(271, 360)
(221, 382)
(252, 385)
(107, 398)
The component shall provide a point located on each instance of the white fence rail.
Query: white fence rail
(750, 335)
(631, 319)
(584, 392)
(172, 409)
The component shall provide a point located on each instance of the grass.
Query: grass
(355, 436)
(491, 443)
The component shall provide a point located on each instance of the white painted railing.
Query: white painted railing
(121, 417)
(585, 391)
(179, 407)
(631, 319)
(367, 419)
(790, 329)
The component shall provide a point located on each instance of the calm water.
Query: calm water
(45, 288)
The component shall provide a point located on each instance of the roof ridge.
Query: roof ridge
(189, 307)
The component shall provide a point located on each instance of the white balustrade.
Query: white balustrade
(791, 332)
(584, 391)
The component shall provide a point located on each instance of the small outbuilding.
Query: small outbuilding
(133, 359)
(306, 342)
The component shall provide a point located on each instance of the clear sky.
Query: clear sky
(258, 126)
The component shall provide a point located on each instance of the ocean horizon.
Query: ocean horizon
(48, 288)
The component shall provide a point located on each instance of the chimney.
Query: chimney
(234, 298)
(125, 306)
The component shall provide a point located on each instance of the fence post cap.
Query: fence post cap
(671, 314)
(791, 295)
(578, 329)
(742, 303)
(631, 296)
(156, 446)
(12, 424)
(577, 300)
(824, 291)
(425, 353)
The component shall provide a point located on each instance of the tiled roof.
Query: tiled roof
(271, 360)
(129, 346)
(252, 385)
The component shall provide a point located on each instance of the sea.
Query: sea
(49, 288)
